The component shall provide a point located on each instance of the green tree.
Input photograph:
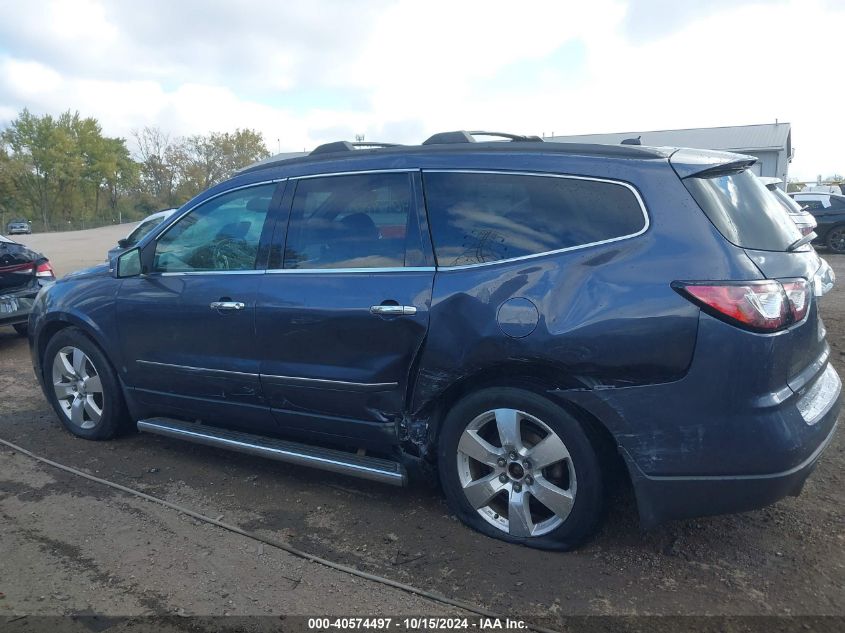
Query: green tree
(202, 161)
(60, 167)
(157, 173)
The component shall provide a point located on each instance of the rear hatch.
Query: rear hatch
(751, 219)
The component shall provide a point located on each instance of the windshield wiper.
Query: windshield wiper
(804, 240)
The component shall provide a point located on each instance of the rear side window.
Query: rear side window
(744, 211)
(478, 218)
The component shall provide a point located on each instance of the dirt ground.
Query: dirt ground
(71, 546)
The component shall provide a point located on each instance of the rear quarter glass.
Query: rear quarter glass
(479, 217)
(744, 211)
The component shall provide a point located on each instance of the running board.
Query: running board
(372, 468)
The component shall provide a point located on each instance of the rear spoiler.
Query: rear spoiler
(707, 163)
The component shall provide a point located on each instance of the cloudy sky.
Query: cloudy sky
(309, 71)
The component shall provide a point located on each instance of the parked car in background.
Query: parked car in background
(139, 232)
(23, 273)
(804, 220)
(17, 227)
(829, 211)
(526, 317)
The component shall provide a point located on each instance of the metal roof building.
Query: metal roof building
(771, 143)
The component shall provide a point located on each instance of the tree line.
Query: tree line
(63, 173)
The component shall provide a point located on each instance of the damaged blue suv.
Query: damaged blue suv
(522, 316)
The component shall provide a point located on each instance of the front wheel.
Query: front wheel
(517, 467)
(82, 386)
(835, 240)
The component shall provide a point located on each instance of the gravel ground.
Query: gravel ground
(70, 546)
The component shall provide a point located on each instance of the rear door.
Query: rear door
(344, 307)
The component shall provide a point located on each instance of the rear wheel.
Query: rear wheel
(21, 328)
(517, 467)
(835, 239)
(82, 386)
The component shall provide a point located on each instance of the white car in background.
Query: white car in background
(144, 227)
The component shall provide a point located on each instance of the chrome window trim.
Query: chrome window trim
(191, 368)
(314, 271)
(630, 187)
(251, 271)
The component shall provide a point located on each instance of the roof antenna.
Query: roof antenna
(632, 141)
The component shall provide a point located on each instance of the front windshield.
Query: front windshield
(142, 230)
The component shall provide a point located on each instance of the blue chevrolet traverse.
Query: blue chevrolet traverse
(521, 316)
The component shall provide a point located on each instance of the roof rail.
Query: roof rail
(462, 136)
(346, 146)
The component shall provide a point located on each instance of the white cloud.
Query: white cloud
(306, 73)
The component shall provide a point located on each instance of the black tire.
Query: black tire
(835, 239)
(114, 417)
(21, 328)
(586, 509)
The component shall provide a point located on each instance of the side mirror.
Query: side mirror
(128, 264)
(123, 243)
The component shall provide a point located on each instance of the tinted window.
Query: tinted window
(221, 234)
(744, 211)
(810, 205)
(143, 230)
(358, 221)
(477, 218)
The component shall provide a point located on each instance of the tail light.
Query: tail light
(759, 306)
(44, 270)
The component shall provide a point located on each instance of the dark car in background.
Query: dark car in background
(19, 227)
(829, 211)
(525, 317)
(23, 273)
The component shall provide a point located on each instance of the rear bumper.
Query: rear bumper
(791, 435)
(16, 306)
(662, 499)
(743, 429)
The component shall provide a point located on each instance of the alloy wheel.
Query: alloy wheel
(516, 472)
(78, 387)
(836, 240)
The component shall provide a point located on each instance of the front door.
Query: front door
(343, 313)
(187, 328)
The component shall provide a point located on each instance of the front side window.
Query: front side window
(221, 234)
(478, 218)
(357, 221)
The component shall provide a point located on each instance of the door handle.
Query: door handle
(226, 306)
(391, 310)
